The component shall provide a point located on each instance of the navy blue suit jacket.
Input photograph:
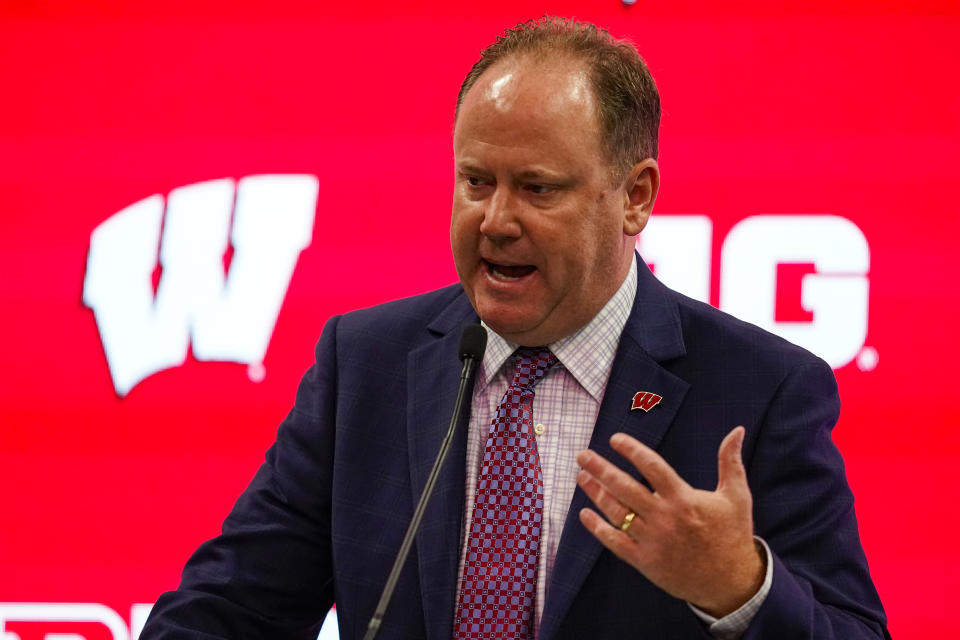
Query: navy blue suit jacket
(324, 516)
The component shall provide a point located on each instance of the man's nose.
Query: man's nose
(500, 215)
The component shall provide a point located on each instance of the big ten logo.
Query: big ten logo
(209, 268)
(62, 621)
(833, 259)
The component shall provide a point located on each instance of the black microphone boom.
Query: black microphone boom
(473, 342)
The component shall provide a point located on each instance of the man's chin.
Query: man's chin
(505, 326)
(524, 331)
(516, 320)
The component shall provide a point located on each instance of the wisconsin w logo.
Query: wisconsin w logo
(229, 314)
(645, 400)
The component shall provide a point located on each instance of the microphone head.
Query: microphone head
(473, 342)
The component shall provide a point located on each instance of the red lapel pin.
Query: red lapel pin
(645, 400)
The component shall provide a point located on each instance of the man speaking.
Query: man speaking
(635, 464)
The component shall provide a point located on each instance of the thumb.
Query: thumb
(732, 476)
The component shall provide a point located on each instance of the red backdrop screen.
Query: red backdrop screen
(293, 160)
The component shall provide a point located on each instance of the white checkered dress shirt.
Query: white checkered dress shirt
(565, 408)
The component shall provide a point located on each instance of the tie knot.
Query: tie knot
(530, 365)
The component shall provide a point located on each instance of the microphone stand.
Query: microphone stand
(471, 354)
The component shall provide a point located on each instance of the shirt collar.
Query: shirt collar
(587, 354)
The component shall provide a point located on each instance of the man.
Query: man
(696, 529)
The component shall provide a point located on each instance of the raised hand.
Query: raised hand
(696, 545)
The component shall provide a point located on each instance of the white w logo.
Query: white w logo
(230, 316)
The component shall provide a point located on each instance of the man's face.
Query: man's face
(542, 234)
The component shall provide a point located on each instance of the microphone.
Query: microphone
(473, 342)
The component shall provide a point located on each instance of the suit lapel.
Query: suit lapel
(652, 335)
(433, 376)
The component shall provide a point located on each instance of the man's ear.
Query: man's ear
(640, 191)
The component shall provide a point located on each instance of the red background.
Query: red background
(783, 108)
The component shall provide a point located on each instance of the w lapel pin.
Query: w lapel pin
(645, 400)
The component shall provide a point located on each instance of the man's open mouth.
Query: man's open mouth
(508, 272)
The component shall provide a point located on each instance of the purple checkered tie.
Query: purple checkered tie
(500, 573)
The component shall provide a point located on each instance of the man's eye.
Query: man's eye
(474, 181)
(539, 189)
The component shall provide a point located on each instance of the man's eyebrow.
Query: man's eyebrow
(470, 168)
(539, 174)
(526, 175)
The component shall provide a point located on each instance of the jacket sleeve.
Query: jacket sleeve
(269, 574)
(803, 508)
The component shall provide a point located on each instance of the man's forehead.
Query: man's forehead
(537, 111)
(522, 80)
(500, 89)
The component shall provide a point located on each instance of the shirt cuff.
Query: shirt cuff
(734, 625)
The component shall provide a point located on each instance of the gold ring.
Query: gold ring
(627, 519)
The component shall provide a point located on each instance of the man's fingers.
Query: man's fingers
(731, 475)
(611, 537)
(650, 464)
(612, 506)
(621, 485)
